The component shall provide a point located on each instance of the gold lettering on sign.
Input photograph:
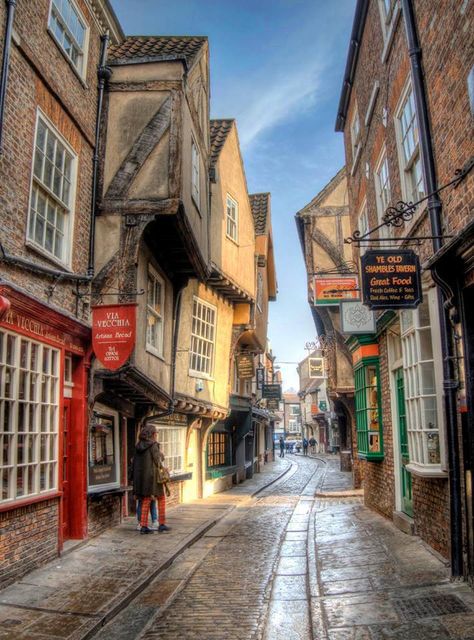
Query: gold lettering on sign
(37, 328)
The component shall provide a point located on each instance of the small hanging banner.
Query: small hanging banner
(391, 279)
(113, 333)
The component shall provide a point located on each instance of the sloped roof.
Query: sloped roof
(219, 131)
(260, 203)
(157, 48)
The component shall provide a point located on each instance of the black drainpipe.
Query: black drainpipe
(11, 4)
(434, 209)
(103, 75)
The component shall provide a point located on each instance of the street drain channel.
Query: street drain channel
(429, 606)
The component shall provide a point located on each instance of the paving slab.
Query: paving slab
(76, 594)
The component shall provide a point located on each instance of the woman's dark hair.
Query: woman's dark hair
(147, 432)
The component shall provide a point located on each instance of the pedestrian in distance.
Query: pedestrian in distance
(282, 447)
(305, 446)
(312, 444)
(150, 478)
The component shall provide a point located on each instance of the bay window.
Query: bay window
(423, 385)
(368, 409)
(172, 444)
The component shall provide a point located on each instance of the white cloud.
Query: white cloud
(270, 102)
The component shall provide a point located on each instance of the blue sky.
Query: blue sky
(277, 67)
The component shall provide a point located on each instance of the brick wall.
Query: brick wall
(28, 539)
(431, 498)
(41, 78)
(445, 30)
(103, 514)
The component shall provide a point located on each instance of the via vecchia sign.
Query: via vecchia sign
(113, 333)
(391, 279)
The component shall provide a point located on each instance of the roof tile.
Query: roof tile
(260, 203)
(219, 132)
(157, 47)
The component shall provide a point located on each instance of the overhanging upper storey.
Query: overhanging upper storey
(154, 173)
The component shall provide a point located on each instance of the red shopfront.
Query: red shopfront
(44, 357)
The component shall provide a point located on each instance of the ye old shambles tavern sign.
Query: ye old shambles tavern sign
(391, 279)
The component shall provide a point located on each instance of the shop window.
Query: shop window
(232, 219)
(172, 445)
(51, 199)
(423, 385)
(154, 313)
(217, 449)
(368, 409)
(202, 338)
(29, 417)
(69, 29)
(104, 450)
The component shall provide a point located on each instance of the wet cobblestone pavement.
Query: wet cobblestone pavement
(283, 564)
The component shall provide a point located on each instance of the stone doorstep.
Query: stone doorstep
(123, 600)
(347, 493)
(404, 522)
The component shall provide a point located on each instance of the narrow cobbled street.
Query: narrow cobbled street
(291, 554)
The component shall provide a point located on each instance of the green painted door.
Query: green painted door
(405, 476)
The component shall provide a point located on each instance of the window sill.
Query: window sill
(155, 353)
(233, 240)
(69, 61)
(181, 477)
(97, 495)
(47, 256)
(204, 376)
(426, 471)
(220, 472)
(371, 457)
(25, 502)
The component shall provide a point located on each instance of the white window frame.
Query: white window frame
(260, 291)
(38, 186)
(416, 398)
(363, 225)
(203, 339)
(232, 219)
(172, 440)
(356, 138)
(195, 174)
(81, 67)
(388, 21)
(382, 192)
(152, 313)
(32, 393)
(410, 167)
(100, 409)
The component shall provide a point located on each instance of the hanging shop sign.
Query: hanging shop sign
(391, 279)
(316, 367)
(356, 318)
(272, 391)
(113, 333)
(323, 405)
(273, 404)
(260, 377)
(330, 291)
(245, 366)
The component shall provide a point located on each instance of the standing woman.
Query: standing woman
(146, 475)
